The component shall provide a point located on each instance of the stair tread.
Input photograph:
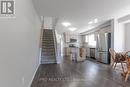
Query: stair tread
(48, 45)
(48, 37)
(46, 54)
(48, 41)
(47, 51)
(48, 57)
(51, 49)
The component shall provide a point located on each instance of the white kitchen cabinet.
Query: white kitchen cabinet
(69, 36)
(66, 37)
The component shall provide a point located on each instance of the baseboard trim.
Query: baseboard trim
(34, 75)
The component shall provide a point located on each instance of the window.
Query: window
(86, 39)
(92, 41)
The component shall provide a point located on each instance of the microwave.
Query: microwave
(73, 40)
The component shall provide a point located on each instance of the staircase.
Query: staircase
(48, 54)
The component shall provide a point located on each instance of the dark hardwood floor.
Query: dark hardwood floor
(82, 74)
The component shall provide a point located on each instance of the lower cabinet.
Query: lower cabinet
(92, 53)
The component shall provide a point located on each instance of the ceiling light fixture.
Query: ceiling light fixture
(96, 20)
(90, 22)
(66, 24)
(72, 28)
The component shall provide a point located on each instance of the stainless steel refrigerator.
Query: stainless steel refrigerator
(102, 47)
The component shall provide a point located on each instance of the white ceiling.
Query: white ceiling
(80, 12)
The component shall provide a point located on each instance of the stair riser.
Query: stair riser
(48, 61)
(48, 31)
(47, 35)
(51, 52)
(47, 44)
(47, 39)
(48, 50)
(47, 54)
(47, 57)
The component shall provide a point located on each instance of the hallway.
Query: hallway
(82, 74)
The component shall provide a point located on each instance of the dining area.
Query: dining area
(122, 60)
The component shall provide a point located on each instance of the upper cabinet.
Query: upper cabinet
(67, 37)
(70, 37)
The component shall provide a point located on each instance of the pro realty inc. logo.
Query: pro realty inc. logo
(7, 8)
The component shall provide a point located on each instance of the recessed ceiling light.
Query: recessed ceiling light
(66, 24)
(96, 20)
(72, 28)
(90, 22)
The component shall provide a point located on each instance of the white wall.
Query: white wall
(19, 46)
(48, 22)
(127, 36)
(121, 33)
(119, 37)
(112, 33)
(59, 40)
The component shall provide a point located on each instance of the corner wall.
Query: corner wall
(19, 46)
(121, 33)
(127, 36)
(119, 37)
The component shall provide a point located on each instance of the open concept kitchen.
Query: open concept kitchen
(94, 44)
